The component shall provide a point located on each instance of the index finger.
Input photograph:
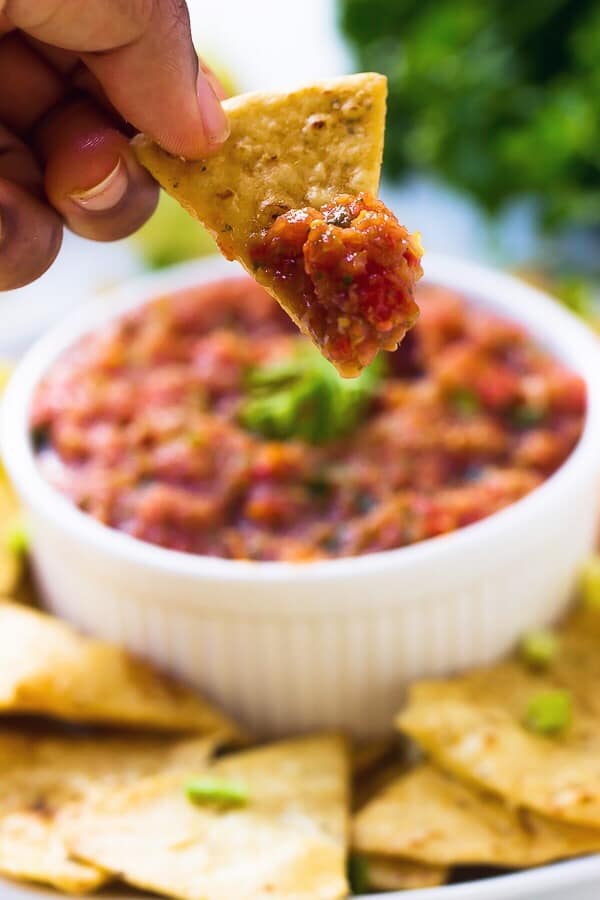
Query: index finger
(73, 25)
(152, 79)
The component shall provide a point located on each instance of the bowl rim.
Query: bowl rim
(552, 325)
(550, 877)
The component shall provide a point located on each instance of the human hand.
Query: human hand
(77, 79)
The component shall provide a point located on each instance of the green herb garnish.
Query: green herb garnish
(221, 792)
(304, 398)
(539, 648)
(465, 401)
(590, 583)
(549, 712)
(358, 874)
(527, 416)
(16, 539)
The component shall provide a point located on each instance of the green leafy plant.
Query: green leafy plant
(500, 99)
(303, 397)
(539, 648)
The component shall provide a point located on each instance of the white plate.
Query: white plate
(578, 879)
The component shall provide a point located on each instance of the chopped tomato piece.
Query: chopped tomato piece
(352, 268)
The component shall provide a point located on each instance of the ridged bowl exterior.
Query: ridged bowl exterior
(289, 648)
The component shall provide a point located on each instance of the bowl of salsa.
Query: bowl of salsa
(202, 486)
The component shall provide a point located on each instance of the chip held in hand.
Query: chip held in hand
(292, 196)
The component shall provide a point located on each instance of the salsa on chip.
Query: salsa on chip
(292, 196)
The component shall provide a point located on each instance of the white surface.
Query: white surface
(83, 269)
(574, 880)
(294, 647)
(270, 44)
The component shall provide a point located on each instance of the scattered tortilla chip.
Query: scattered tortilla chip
(369, 755)
(11, 559)
(428, 816)
(472, 726)
(371, 783)
(287, 152)
(43, 781)
(50, 669)
(25, 594)
(289, 841)
(388, 874)
(376, 763)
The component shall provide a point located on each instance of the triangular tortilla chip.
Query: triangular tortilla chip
(428, 816)
(289, 841)
(11, 559)
(11, 562)
(473, 726)
(44, 780)
(50, 669)
(287, 152)
(25, 594)
(368, 756)
(375, 764)
(577, 663)
(389, 874)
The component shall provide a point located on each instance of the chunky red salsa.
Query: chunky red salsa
(351, 269)
(152, 425)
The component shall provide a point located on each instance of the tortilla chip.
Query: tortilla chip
(50, 669)
(388, 874)
(285, 151)
(289, 841)
(373, 764)
(472, 726)
(11, 562)
(428, 816)
(365, 787)
(366, 756)
(44, 779)
(25, 594)
(11, 559)
(577, 664)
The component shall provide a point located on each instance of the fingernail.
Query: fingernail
(216, 124)
(106, 194)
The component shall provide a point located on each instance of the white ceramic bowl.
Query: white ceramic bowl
(578, 879)
(291, 647)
